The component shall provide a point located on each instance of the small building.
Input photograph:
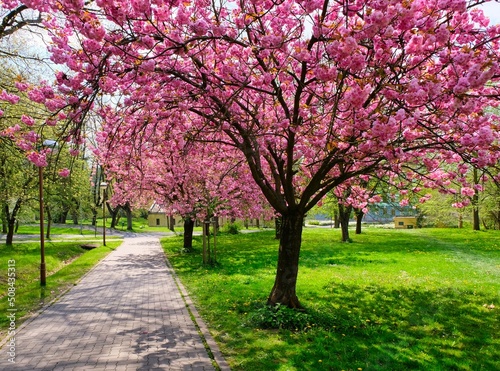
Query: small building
(157, 216)
(405, 222)
(385, 212)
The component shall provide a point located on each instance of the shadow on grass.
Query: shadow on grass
(233, 256)
(378, 328)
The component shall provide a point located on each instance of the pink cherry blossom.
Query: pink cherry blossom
(64, 173)
(28, 120)
(21, 86)
(74, 152)
(37, 158)
(11, 98)
(404, 202)
(467, 191)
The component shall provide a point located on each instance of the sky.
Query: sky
(492, 10)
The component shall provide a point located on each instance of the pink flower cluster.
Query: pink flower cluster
(64, 173)
(10, 98)
(37, 158)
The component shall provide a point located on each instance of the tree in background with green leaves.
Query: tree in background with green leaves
(19, 178)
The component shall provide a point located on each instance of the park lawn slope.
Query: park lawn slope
(66, 263)
(424, 299)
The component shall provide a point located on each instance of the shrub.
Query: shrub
(231, 228)
(279, 317)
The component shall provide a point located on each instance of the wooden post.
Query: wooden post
(206, 227)
(204, 234)
(215, 240)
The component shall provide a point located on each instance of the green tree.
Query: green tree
(18, 181)
(490, 205)
(18, 176)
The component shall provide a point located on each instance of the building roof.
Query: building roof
(156, 209)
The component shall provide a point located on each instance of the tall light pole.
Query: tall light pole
(43, 274)
(104, 187)
(43, 270)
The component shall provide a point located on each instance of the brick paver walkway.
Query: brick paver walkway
(126, 314)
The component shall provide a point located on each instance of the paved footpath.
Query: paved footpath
(126, 314)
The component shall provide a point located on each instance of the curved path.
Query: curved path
(125, 314)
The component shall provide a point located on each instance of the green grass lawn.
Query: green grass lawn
(66, 262)
(34, 229)
(426, 299)
(138, 226)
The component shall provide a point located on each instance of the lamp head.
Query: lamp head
(49, 143)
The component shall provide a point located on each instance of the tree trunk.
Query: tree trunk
(498, 218)
(129, 220)
(58, 218)
(217, 224)
(49, 222)
(11, 220)
(4, 222)
(171, 223)
(485, 226)
(206, 226)
(475, 218)
(475, 205)
(278, 220)
(114, 215)
(128, 213)
(10, 231)
(188, 234)
(359, 219)
(344, 216)
(94, 217)
(336, 219)
(74, 217)
(63, 216)
(284, 289)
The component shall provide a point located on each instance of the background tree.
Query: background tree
(69, 196)
(490, 205)
(18, 178)
(355, 196)
(24, 121)
(17, 174)
(186, 178)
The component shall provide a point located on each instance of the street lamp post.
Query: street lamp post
(43, 274)
(104, 187)
(43, 270)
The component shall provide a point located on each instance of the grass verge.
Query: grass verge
(138, 226)
(391, 300)
(66, 263)
(34, 229)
